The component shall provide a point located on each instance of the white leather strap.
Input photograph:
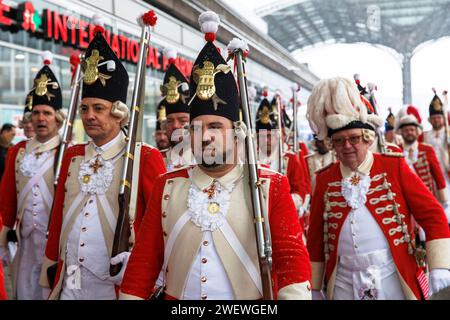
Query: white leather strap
(237, 247)
(173, 237)
(112, 221)
(71, 210)
(35, 179)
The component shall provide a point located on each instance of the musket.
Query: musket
(381, 139)
(71, 114)
(281, 168)
(294, 121)
(123, 231)
(263, 238)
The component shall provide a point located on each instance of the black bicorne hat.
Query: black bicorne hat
(161, 112)
(390, 121)
(28, 103)
(104, 76)
(436, 106)
(46, 89)
(266, 116)
(175, 90)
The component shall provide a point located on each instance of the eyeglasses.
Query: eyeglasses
(353, 140)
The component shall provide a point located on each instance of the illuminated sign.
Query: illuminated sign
(77, 33)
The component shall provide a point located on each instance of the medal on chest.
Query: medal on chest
(95, 175)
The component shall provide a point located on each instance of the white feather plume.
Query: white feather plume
(170, 53)
(98, 20)
(47, 56)
(334, 103)
(209, 21)
(238, 44)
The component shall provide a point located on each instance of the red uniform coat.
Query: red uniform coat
(3, 295)
(151, 166)
(392, 183)
(290, 257)
(428, 169)
(8, 202)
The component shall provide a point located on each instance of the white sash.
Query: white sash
(71, 210)
(112, 221)
(35, 180)
(240, 251)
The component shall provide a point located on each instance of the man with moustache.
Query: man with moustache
(27, 189)
(419, 156)
(199, 225)
(86, 207)
(360, 237)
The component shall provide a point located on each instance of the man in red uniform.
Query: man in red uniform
(27, 187)
(175, 92)
(419, 156)
(199, 226)
(267, 130)
(360, 239)
(84, 216)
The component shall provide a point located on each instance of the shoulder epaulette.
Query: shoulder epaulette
(324, 168)
(393, 154)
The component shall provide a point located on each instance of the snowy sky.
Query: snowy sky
(430, 67)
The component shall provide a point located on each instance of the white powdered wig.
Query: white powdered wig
(170, 53)
(334, 103)
(209, 22)
(120, 110)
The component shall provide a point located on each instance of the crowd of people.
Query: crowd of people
(361, 216)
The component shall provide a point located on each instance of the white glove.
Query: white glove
(439, 279)
(120, 258)
(5, 256)
(318, 295)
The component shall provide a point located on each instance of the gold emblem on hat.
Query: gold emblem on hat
(162, 113)
(90, 68)
(170, 90)
(213, 207)
(41, 84)
(436, 104)
(86, 178)
(29, 102)
(204, 78)
(264, 115)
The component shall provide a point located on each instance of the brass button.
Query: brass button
(166, 197)
(203, 279)
(165, 234)
(204, 297)
(82, 244)
(356, 246)
(34, 225)
(86, 214)
(90, 201)
(34, 214)
(164, 214)
(34, 204)
(84, 229)
(73, 159)
(204, 260)
(169, 181)
(205, 243)
(68, 174)
(81, 259)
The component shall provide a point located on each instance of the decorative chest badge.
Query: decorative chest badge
(208, 207)
(32, 162)
(95, 175)
(355, 188)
